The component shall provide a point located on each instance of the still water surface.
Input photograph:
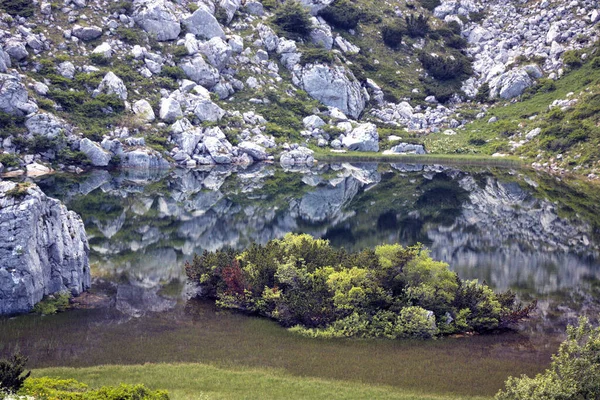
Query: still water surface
(516, 230)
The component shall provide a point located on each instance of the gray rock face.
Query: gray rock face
(143, 159)
(333, 86)
(44, 250)
(112, 84)
(230, 7)
(66, 69)
(362, 138)
(13, 95)
(203, 23)
(408, 148)
(170, 110)
(217, 52)
(254, 8)
(219, 149)
(97, 155)
(201, 72)
(297, 157)
(47, 125)
(257, 152)
(86, 32)
(158, 18)
(206, 110)
(143, 110)
(510, 84)
(16, 49)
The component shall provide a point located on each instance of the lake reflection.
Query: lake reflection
(515, 229)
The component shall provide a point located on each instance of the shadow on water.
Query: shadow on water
(514, 229)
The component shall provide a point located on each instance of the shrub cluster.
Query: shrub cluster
(12, 373)
(292, 20)
(389, 292)
(392, 35)
(69, 389)
(417, 26)
(342, 14)
(23, 8)
(444, 68)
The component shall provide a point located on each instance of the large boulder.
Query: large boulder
(16, 49)
(203, 23)
(14, 98)
(46, 125)
(206, 110)
(362, 138)
(97, 155)
(112, 84)
(257, 152)
(219, 149)
(157, 17)
(170, 110)
(217, 52)
(143, 110)
(200, 71)
(86, 32)
(230, 7)
(333, 86)
(302, 156)
(44, 249)
(143, 159)
(510, 84)
(407, 148)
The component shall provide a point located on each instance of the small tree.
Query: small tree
(417, 26)
(293, 20)
(392, 36)
(11, 373)
(573, 374)
(483, 93)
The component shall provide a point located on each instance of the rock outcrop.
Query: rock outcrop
(43, 248)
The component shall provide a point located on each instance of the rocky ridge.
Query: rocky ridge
(43, 247)
(189, 84)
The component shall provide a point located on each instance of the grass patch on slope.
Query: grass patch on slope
(201, 381)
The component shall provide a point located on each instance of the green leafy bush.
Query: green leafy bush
(392, 35)
(24, 8)
(130, 35)
(573, 374)
(292, 20)
(430, 4)
(9, 160)
(443, 68)
(342, 14)
(572, 59)
(69, 389)
(483, 93)
(173, 72)
(417, 26)
(53, 303)
(11, 373)
(316, 55)
(391, 292)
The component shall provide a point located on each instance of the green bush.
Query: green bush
(417, 26)
(69, 157)
(53, 303)
(99, 59)
(316, 55)
(221, 15)
(293, 20)
(392, 291)
(342, 14)
(130, 35)
(430, 4)
(443, 68)
(11, 124)
(69, 389)
(392, 35)
(9, 160)
(24, 8)
(173, 72)
(573, 374)
(596, 62)
(456, 42)
(572, 59)
(483, 93)
(11, 373)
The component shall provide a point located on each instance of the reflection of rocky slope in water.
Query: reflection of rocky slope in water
(512, 239)
(146, 226)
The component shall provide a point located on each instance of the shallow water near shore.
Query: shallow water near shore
(515, 229)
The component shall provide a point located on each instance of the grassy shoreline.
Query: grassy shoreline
(188, 381)
(452, 159)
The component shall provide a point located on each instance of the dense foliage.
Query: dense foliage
(293, 20)
(573, 374)
(69, 389)
(390, 292)
(342, 14)
(12, 373)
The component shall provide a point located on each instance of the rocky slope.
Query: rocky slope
(153, 83)
(43, 248)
